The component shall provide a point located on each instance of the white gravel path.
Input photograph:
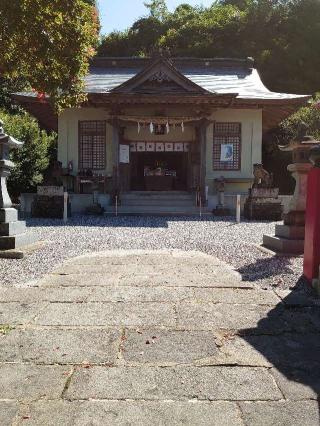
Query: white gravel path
(230, 242)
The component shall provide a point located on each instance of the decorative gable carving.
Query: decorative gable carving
(160, 77)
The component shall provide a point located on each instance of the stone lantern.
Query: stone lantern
(12, 231)
(289, 237)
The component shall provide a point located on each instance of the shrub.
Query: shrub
(33, 158)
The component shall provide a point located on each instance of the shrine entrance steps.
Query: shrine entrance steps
(158, 203)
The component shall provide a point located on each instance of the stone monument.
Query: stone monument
(289, 237)
(13, 233)
(220, 185)
(263, 202)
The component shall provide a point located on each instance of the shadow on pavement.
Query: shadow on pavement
(289, 338)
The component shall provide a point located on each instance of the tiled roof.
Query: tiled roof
(215, 76)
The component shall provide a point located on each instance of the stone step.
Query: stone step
(291, 232)
(157, 211)
(158, 196)
(157, 202)
(283, 245)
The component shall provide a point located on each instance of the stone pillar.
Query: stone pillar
(12, 231)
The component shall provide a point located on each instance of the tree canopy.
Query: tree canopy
(283, 36)
(48, 45)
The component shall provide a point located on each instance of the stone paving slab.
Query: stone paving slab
(116, 413)
(236, 296)
(212, 316)
(19, 313)
(36, 294)
(107, 314)
(8, 412)
(221, 280)
(83, 280)
(180, 383)
(157, 338)
(163, 347)
(140, 294)
(50, 346)
(29, 382)
(282, 413)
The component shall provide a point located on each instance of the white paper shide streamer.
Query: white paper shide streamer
(151, 128)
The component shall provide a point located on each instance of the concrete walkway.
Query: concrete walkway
(156, 338)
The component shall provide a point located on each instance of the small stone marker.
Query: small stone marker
(13, 233)
(65, 207)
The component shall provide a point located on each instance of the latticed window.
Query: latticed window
(92, 145)
(227, 146)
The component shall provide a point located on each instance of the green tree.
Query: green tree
(49, 44)
(33, 158)
(158, 9)
(283, 36)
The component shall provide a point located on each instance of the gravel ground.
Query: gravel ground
(230, 242)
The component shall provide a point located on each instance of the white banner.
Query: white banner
(124, 154)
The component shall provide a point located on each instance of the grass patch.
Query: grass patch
(5, 329)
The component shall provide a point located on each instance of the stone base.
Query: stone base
(12, 228)
(221, 211)
(17, 241)
(20, 253)
(13, 232)
(49, 207)
(291, 232)
(8, 215)
(260, 209)
(294, 218)
(287, 239)
(283, 245)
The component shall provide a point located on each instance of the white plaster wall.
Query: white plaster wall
(251, 142)
(68, 136)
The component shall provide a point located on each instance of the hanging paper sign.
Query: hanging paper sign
(150, 146)
(186, 147)
(124, 154)
(226, 153)
(141, 146)
(178, 147)
(133, 147)
(160, 147)
(169, 146)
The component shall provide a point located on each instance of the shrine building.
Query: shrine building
(163, 128)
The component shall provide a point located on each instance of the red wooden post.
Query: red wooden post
(312, 229)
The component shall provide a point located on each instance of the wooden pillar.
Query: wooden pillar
(202, 136)
(115, 156)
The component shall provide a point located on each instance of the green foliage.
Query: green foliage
(308, 115)
(158, 9)
(49, 44)
(283, 36)
(33, 158)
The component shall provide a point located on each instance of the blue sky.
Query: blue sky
(120, 14)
